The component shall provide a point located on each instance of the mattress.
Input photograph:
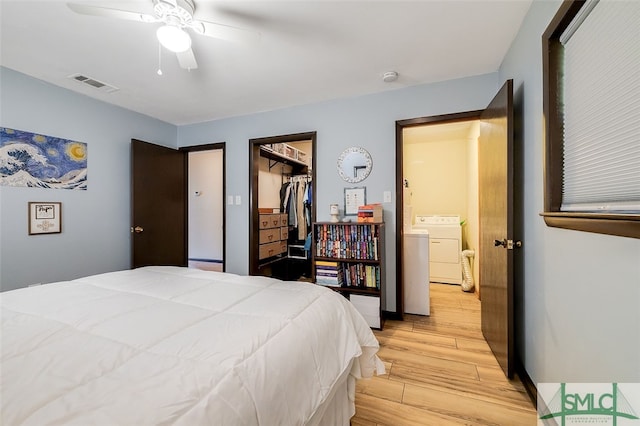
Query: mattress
(169, 345)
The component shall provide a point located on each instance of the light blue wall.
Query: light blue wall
(580, 306)
(96, 221)
(95, 235)
(366, 121)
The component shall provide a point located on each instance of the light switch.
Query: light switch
(387, 196)
(230, 200)
(238, 200)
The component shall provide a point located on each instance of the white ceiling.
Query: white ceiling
(309, 51)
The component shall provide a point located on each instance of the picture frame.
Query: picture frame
(354, 198)
(45, 217)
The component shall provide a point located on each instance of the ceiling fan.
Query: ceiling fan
(176, 16)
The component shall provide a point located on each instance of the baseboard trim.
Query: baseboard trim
(529, 386)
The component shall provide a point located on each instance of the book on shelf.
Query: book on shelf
(327, 273)
(347, 241)
(359, 275)
(370, 213)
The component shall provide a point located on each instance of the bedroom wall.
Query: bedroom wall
(579, 312)
(366, 121)
(95, 228)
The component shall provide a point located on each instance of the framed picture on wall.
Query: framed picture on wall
(45, 218)
(354, 198)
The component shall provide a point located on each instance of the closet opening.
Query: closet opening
(282, 205)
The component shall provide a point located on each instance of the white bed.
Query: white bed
(168, 345)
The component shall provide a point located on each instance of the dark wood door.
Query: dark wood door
(158, 205)
(496, 177)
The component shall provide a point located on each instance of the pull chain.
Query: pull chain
(159, 59)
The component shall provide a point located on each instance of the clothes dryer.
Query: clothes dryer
(445, 247)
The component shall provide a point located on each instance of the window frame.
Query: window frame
(626, 225)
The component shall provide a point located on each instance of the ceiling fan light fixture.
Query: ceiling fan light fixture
(174, 38)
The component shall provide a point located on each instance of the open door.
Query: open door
(158, 205)
(496, 204)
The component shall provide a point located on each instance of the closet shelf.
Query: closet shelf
(300, 166)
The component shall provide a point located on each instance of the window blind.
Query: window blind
(601, 109)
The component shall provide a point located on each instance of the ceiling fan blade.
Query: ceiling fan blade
(187, 60)
(84, 9)
(225, 32)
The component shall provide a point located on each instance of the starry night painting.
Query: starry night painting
(38, 161)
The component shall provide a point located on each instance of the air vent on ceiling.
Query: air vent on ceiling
(103, 87)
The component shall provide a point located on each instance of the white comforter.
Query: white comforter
(167, 345)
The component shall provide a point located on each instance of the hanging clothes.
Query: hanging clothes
(300, 212)
(292, 206)
(284, 197)
(307, 204)
(296, 200)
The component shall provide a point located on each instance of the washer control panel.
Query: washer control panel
(437, 220)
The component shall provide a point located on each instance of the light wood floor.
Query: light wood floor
(206, 266)
(440, 371)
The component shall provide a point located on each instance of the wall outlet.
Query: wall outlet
(387, 196)
(238, 200)
(230, 200)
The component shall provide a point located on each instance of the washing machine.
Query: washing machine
(415, 268)
(445, 247)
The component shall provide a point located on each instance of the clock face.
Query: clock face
(354, 164)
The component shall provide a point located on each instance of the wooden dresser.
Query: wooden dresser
(274, 232)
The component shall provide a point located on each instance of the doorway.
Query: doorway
(440, 179)
(430, 149)
(282, 205)
(496, 202)
(159, 203)
(205, 199)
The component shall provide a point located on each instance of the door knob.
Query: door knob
(137, 229)
(508, 244)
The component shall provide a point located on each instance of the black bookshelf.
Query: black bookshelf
(348, 258)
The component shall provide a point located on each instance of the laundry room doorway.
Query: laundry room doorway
(496, 202)
(440, 195)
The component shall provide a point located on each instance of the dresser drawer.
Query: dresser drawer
(284, 219)
(270, 235)
(271, 249)
(284, 233)
(269, 221)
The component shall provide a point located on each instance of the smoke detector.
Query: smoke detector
(389, 76)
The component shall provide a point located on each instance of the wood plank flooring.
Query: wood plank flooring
(205, 266)
(440, 371)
